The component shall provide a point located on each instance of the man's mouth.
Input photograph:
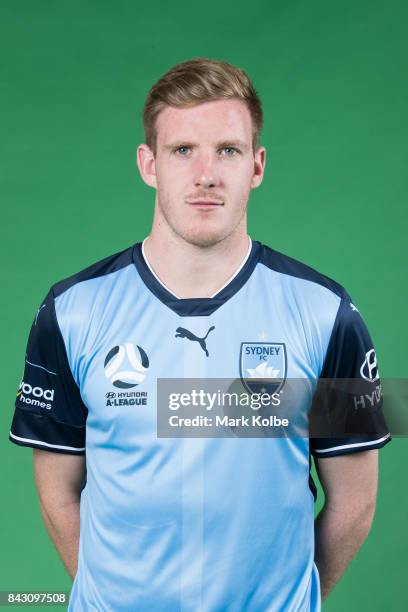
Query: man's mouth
(205, 203)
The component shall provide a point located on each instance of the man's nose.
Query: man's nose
(206, 171)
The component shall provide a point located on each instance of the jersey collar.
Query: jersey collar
(187, 307)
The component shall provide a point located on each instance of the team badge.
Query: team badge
(263, 366)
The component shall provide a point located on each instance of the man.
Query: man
(211, 523)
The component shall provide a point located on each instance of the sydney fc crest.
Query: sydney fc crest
(262, 366)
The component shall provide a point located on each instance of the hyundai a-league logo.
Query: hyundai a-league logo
(263, 366)
(126, 365)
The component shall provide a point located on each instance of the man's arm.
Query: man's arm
(350, 486)
(60, 479)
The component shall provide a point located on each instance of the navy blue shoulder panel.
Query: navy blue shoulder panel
(261, 253)
(109, 264)
(288, 265)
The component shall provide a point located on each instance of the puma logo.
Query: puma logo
(182, 332)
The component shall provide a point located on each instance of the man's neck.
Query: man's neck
(189, 271)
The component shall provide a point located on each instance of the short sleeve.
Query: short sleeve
(346, 414)
(49, 411)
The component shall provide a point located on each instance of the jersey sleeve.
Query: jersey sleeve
(49, 411)
(347, 408)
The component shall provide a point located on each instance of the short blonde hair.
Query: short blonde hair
(200, 80)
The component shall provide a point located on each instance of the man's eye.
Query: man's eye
(231, 151)
(181, 149)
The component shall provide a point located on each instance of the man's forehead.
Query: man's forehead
(225, 119)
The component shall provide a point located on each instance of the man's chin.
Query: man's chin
(203, 239)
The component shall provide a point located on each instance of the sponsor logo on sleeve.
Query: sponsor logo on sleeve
(35, 396)
(369, 372)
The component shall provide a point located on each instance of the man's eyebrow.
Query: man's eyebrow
(219, 145)
(233, 143)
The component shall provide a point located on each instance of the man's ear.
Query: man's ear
(146, 163)
(259, 167)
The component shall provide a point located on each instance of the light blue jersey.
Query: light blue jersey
(189, 524)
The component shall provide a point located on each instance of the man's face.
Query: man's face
(204, 169)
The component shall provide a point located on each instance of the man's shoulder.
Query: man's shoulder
(97, 270)
(289, 266)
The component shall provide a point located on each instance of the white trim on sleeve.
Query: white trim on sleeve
(45, 443)
(356, 444)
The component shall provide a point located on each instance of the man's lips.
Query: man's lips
(204, 203)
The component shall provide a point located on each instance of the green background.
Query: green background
(333, 80)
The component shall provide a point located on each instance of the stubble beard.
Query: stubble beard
(199, 236)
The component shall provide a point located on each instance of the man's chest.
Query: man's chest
(127, 352)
